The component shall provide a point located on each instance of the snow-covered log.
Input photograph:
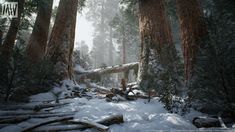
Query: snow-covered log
(46, 122)
(90, 124)
(98, 88)
(14, 120)
(207, 122)
(74, 125)
(114, 119)
(108, 70)
(30, 107)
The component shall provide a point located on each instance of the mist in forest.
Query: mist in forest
(117, 65)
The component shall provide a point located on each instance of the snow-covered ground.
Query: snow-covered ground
(139, 115)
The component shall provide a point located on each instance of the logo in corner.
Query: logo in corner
(9, 9)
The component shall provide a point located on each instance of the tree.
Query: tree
(100, 13)
(38, 41)
(125, 25)
(8, 44)
(212, 86)
(61, 43)
(193, 30)
(156, 39)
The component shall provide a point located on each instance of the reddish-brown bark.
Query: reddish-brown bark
(192, 30)
(61, 43)
(38, 41)
(155, 34)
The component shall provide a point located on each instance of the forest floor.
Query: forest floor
(138, 115)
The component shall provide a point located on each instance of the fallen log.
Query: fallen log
(25, 112)
(46, 122)
(73, 125)
(207, 122)
(90, 124)
(17, 119)
(98, 88)
(14, 120)
(31, 107)
(43, 106)
(107, 70)
(114, 119)
(138, 96)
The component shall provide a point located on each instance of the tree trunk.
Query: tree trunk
(126, 73)
(110, 46)
(192, 30)
(61, 43)
(1, 37)
(108, 70)
(156, 38)
(123, 49)
(38, 41)
(8, 44)
(7, 50)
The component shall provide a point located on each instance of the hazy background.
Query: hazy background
(84, 28)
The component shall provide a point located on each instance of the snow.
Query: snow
(11, 128)
(42, 97)
(139, 115)
(80, 69)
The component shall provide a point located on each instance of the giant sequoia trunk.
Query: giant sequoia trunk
(192, 30)
(61, 43)
(8, 44)
(156, 39)
(38, 41)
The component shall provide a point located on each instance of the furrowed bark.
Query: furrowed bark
(193, 29)
(156, 39)
(61, 43)
(36, 47)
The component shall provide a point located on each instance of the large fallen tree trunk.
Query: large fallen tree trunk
(108, 70)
